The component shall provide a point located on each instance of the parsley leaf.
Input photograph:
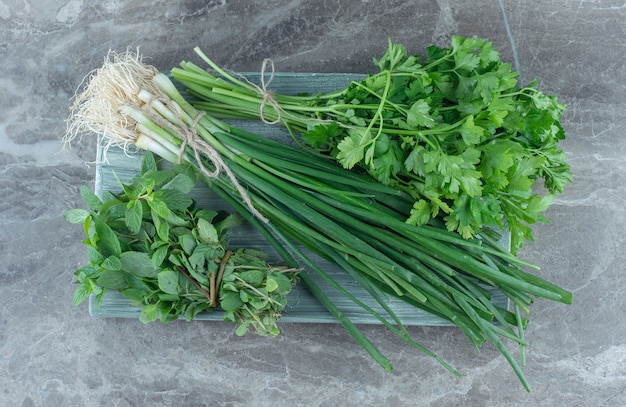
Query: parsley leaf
(321, 134)
(418, 115)
(352, 148)
(453, 129)
(471, 133)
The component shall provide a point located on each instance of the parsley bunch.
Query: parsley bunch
(153, 245)
(452, 129)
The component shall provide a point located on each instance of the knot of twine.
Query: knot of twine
(267, 97)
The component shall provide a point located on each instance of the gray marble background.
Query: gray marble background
(52, 354)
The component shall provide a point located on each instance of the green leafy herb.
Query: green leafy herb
(452, 129)
(154, 246)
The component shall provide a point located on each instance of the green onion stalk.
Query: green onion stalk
(302, 204)
(454, 131)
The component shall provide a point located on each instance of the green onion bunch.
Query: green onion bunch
(453, 129)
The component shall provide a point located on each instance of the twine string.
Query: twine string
(198, 146)
(266, 94)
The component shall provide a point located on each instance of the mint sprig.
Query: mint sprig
(151, 243)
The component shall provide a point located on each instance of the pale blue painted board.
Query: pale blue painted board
(303, 307)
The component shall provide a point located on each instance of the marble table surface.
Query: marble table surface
(54, 354)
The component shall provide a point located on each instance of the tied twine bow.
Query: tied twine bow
(266, 94)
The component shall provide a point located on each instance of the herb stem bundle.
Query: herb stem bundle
(453, 130)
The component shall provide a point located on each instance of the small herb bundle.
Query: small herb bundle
(453, 130)
(153, 245)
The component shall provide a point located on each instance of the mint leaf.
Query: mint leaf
(149, 313)
(112, 279)
(152, 179)
(107, 241)
(90, 198)
(253, 277)
(148, 163)
(173, 199)
(242, 329)
(284, 283)
(168, 281)
(230, 301)
(175, 220)
(159, 256)
(161, 225)
(76, 216)
(81, 293)
(112, 263)
(130, 251)
(181, 183)
(138, 264)
(271, 285)
(158, 207)
(134, 214)
(188, 243)
(207, 232)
